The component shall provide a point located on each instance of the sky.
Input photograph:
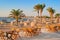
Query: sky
(27, 6)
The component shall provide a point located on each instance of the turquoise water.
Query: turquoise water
(6, 19)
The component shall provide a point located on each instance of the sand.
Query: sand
(44, 36)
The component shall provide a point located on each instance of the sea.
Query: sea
(7, 19)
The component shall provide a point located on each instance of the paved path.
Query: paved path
(44, 36)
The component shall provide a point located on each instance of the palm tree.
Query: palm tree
(57, 16)
(16, 14)
(51, 12)
(39, 8)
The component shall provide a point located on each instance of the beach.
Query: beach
(45, 39)
(29, 20)
(44, 36)
(41, 36)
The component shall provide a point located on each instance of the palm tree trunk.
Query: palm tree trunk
(51, 15)
(17, 21)
(41, 16)
(38, 13)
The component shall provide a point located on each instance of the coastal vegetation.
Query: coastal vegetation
(39, 8)
(51, 12)
(57, 15)
(16, 14)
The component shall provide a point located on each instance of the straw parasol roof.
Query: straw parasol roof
(17, 29)
(13, 29)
